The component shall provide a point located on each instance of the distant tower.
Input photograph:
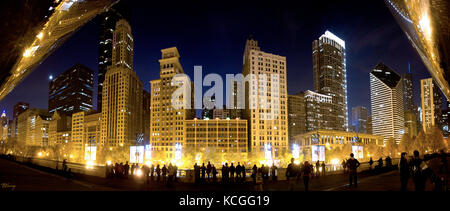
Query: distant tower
(72, 91)
(359, 119)
(108, 22)
(122, 97)
(431, 100)
(330, 75)
(386, 97)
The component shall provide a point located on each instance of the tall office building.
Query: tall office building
(121, 122)
(369, 125)
(319, 114)
(296, 115)
(359, 119)
(72, 91)
(386, 97)
(59, 129)
(431, 101)
(3, 119)
(408, 92)
(268, 120)
(86, 135)
(330, 77)
(108, 22)
(166, 122)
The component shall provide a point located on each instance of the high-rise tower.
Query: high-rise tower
(266, 100)
(431, 99)
(330, 75)
(121, 122)
(167, 123)
(386, 97)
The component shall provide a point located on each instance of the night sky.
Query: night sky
(213, 34)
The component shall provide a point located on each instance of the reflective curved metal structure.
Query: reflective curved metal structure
(427, 26)
(65, 18)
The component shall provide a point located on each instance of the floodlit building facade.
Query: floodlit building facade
(60, 128)
(167, 123)
(268, 121)
(386, 97)
(330, 75)
(32, 127)
(222, 139)
(86, 134)
(121, 122)
(431, 101)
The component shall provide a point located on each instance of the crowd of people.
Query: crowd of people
(165, 173)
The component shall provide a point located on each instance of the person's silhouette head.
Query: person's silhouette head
(416, 153)
(292, 160)
(352, 155)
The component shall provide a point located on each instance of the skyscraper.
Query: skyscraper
(72, 91)
(268, 120)
(19, 108)
(330, 77)
(167, 123)
(121, 122)
(431, 101)
(108, 22)
(408, 91)
(297, 115)
(146, 99)
(319, 114)
(386, 97)
(359, 119)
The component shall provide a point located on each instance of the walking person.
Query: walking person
(126, 169)
(238, 171)
(404, 171)
(232, 170)
(133, 167)
(352, 165)
(370, 164)
(344, 165)
(152, 171)
(243, 172)
(291, 175)
(306, 172)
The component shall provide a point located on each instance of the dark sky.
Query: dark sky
(213, 34)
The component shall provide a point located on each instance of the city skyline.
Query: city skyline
(145, 67)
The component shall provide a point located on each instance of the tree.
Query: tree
(406, 144)
(435, 140)
(391, 148)
(419, 142)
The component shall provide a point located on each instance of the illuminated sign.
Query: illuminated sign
(137, 154)
(90, 153)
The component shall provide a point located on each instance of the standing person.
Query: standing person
(273, 171)
(370, 163)
(164, 173)
(317, 168)
(169, 172)
(203, 171)
(223, 174)
(418, 166)
(196, 173)
(126, 169)
(158, 172)
(254, 172)
(344, 165)
(238, 171)
(214, 173)
(380, 163)
(352, 165)
(152, 171)
(208, 171)
(121, 170)
(116, 170)
(106, 170)
(323, 168)
(306, 171)
(232, 170)
(291, 175)
(404, 171)
(146, 170)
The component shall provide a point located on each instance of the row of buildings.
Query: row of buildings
(131, 123)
